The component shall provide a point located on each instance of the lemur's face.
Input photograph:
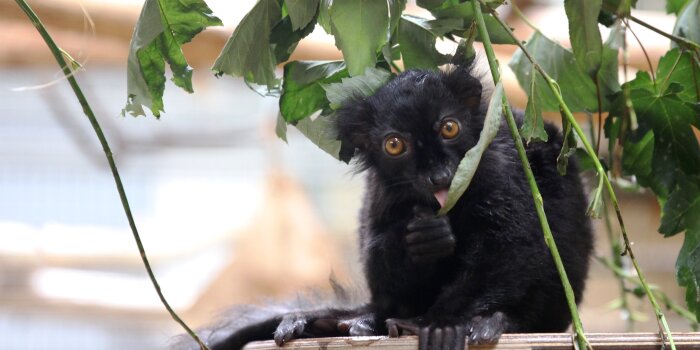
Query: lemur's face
(415, 130)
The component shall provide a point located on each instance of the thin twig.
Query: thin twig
(661, 319)
(644, 51)
(536, 195)
(679, 40)
(56, 51)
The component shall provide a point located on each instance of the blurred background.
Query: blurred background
(228, 213)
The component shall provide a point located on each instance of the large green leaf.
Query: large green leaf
(468, 165)
(356, 87)
(302, 91)
(417, 44)
(679, 68)
(284, 39)
(584, 33)
(159, 34)
(360, 28)
(622, 7)
(396, 7)
(248, 52)
(301, 12)
(688, 25)
(578, 90)
(608, 76)
(682, 209)
(688, 269)
(324, 16)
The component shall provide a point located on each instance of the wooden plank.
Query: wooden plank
(559, 341)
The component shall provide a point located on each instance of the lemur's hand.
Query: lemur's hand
(429, 237)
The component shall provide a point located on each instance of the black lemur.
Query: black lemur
(481, 270)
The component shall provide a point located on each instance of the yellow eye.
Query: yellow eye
(449, 129)
(394, 146)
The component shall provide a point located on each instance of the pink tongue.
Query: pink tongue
(441, 197)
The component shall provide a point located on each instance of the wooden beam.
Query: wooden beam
(560, 341)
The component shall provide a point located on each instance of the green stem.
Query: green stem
(537, 197)
(680, 40)
(616, 260)
(56, 51)
(661, 319)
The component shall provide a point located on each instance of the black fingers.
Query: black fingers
(363, 325)
(429, 337)
(429, 237)
(487, 329)
(292, 326)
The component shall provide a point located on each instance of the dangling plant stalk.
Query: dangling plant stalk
(68, 72)
(661, 319)
(537, 197)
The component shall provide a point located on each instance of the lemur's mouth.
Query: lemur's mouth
(441, 196)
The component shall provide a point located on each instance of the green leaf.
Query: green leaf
(596, 204)
(301, 12)
(622, 7)
(584, 33)
(281, 127)
(577, 88)
(417, 44)
(688, 270)
(357, 86)
(637, 157)
(688, 26)
(360, 28)
(248, 52)
(302, 91)
(324, 16)
(679, 68)
(284, 39)
(396, 7)
(675, 145)
(675, 6)
(682, 209)
(465, 12)
(320, 131)
(468, 165)
(158, 37)
(568, 147)
(608, 76)
(533, 125)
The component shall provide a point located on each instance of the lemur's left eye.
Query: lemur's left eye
(449, 129)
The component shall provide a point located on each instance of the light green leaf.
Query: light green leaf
(248, 52)
(468, 165)
(533, 125)
(324, 16)
(608, 74)
(584, 33)
(688, 270)
(675, 6)
(417, 45)
(320, 131)
(158, 37)
(360, 28)
(357, 86)
(301, 12)
(396, 7)
(688, 25)
(637, 158)
(284, 39)
(595, 206)
(302, 91)
(578, 90)
(622, 7)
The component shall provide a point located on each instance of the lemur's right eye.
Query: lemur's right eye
(394, 145)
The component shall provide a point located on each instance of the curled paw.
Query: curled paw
(363, 325)
(430, 337)
(429, 237)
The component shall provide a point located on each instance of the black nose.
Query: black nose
(441, 178)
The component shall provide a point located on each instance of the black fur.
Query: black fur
(482, 270)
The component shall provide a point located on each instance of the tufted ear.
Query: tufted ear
(464, 86)
(353, 122)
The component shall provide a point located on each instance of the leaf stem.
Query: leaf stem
(537, 197)
(661, 319)
(680, 40)
(56, 51)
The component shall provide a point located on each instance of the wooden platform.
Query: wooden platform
(599, 341)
